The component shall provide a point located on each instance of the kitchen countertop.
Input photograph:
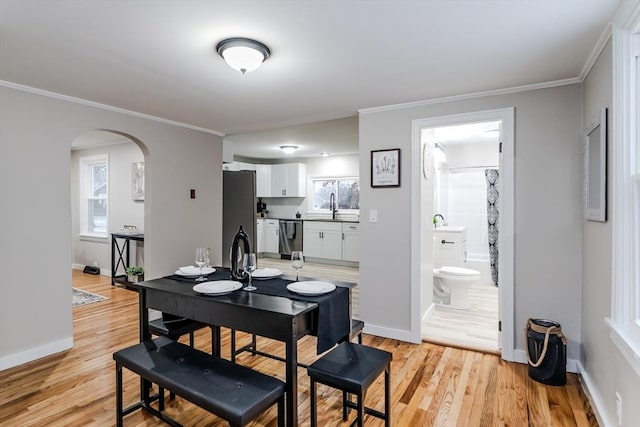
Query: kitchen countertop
(316, 219)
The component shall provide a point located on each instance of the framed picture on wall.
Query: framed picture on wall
(385, 168)
(137, 181)
(595, 168)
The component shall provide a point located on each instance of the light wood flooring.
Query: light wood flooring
(476, 328)
(431, 385)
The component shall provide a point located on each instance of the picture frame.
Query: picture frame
(595, 168)
(137, 181)
(385, 168)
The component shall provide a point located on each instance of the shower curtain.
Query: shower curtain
(492, 176)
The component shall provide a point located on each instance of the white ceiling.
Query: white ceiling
(329, 58)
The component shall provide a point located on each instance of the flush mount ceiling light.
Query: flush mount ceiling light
(243, 54)
(324, 154)
(289, 149)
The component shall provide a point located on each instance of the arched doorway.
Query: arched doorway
(107, 195)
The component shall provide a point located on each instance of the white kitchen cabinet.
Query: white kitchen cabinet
(322, 239)
(271, 236)
(263, 180)
(238, 166)
(289, 180)
(233, 166)
(350, 241)
(260, 236)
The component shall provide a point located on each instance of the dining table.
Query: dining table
(271, 311)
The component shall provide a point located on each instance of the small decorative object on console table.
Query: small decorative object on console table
(135, 273)
(385, 168)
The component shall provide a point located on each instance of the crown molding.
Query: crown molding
(595, 52)
(68, 98)
(495, 92)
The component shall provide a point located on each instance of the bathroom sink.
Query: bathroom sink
(450, 228)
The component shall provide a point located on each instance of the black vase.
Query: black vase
(547, 364)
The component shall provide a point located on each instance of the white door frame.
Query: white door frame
(506, 223)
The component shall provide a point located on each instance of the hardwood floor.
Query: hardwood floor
(431, 385)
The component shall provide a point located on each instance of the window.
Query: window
(94, 195)
(625, 316)
(345, 190)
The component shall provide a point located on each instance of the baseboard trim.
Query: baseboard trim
(103, 271)
(397, 334)
(520, 356)
(595, 399)
(35, 353)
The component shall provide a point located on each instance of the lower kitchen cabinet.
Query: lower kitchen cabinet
(260, 237)
(322, 239)
(271, 236)
(350, 242)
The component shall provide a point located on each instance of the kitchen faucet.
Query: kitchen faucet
(435, 220)
(332, 205)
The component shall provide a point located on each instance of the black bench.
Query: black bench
(232, 392)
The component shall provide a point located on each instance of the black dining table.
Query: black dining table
(271, 311)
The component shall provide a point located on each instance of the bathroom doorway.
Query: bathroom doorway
(466, 169)
(466, 187)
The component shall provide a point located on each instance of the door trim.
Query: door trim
(507, 231)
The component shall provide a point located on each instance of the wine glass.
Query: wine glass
(297, 261)
(202, 259)
(249, 265)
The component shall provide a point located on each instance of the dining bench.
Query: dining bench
(232, 392)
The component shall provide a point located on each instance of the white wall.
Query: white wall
(36, 133)
(122, 209)
(604, 367)
(547, 210)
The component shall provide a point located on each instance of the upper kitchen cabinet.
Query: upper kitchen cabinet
(263, 180)
(289, 180)
(238, 166)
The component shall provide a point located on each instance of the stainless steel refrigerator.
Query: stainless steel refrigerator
(238, 208)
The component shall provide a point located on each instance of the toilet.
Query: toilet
(451, 280)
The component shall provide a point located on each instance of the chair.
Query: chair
(356, 331)
(352, 368)
(174, 327)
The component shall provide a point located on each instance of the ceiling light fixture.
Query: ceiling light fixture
(243, 54)
(324, 154)
(289, 149)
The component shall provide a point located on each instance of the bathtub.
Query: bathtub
(480, 262)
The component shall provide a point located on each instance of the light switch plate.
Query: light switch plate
(373, 215)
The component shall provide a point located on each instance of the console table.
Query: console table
(120, 251)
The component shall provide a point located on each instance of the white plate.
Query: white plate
(217, 287)
(191, 271)
(311, 287)
(266, 273)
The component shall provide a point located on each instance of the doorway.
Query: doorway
(463, 172)
(107, 194)
(466, 166)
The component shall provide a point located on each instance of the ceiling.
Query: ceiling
(329, 58)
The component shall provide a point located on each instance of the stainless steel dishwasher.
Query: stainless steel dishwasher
(290, 236)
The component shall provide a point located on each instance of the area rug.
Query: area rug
(81, 297)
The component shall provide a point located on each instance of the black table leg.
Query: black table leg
(291, 356)
(215, 340)
(145, 335)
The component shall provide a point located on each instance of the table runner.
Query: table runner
(334, 323)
